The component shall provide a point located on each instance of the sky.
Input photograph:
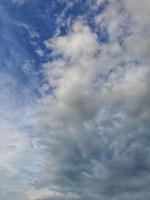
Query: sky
(74, 99)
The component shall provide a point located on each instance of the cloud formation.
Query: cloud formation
(87, 136)
(94, 125)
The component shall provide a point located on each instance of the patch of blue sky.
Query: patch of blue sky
(38, 15)
(16, 50)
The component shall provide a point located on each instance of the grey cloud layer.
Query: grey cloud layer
(94, 126)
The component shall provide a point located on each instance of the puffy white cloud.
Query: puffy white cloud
(133, 89)
(72, 75)
(93, 128)
(80, 42)
(128, 21)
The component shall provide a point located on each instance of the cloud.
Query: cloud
(93, 126)
(78, 50)
(139, 11)
(90, 130)
(133, 89)
(13, 145)
(70, 46)
(17, 157)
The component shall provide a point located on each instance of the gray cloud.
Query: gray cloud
(93, 129)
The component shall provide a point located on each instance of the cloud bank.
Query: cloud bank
(86, 136)
(93, 127)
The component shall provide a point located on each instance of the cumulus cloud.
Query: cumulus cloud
(78, 68)
(93, 126)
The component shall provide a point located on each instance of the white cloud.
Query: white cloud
(78, 68)
(80, 42)
(40, 52)
(93, 128)
(133, 89)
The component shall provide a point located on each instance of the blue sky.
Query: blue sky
(74, 99)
